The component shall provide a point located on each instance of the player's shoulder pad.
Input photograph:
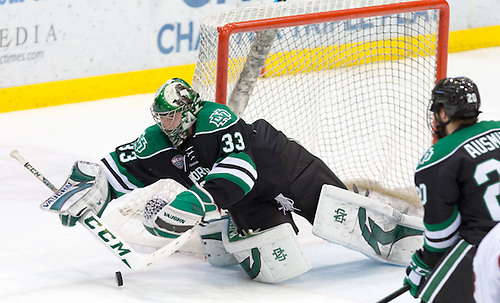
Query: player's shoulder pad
(213, 117)
(448, 145)
(151, 142)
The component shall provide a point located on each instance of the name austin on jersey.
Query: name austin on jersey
(483, 144)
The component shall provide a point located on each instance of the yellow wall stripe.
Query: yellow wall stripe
(474, 38)
(349, 54)
(88, 89)
(148, 81)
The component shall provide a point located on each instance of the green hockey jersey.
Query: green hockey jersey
(458, 180)
(243, 166)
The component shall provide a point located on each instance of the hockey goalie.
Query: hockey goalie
(241, 183)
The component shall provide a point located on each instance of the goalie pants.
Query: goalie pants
(302, 177)
(452, 280)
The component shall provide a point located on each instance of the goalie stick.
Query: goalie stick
(122, 250)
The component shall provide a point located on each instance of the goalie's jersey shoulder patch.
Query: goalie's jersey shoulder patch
(151, 141)
(213, 117)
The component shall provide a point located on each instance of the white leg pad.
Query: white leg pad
(375, 229)
(270, 256)
(211, 238)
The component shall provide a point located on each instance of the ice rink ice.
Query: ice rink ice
(42, 261)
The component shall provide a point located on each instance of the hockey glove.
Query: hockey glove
(416, 273)
(86, 189)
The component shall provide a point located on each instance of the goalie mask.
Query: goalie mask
(175, 103)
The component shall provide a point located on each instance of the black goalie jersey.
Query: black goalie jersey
(243, 166)
(458, 180)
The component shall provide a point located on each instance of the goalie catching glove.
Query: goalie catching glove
(171, 219)
(86, 189)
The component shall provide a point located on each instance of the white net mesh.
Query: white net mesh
(353, 91)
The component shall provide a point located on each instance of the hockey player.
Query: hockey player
(458, 182)
(241, 167)
(252, 170)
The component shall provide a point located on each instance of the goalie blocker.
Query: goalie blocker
(86, 189)
(373, 228)
(83, 197)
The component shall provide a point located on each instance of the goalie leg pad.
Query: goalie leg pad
(211, 238)
(375, 229)
(270, 256)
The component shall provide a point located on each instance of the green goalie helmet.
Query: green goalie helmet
(176, 96)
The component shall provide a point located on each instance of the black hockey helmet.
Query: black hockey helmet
(459, 96)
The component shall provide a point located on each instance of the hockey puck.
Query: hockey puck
(119, 278)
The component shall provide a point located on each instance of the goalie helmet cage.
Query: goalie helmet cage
(349, 80)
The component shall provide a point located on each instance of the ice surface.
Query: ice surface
(42, 261)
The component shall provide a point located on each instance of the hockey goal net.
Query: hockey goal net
(349, 80)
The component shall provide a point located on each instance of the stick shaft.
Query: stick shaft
(395, 294)
(110, 239)
(15, 154)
